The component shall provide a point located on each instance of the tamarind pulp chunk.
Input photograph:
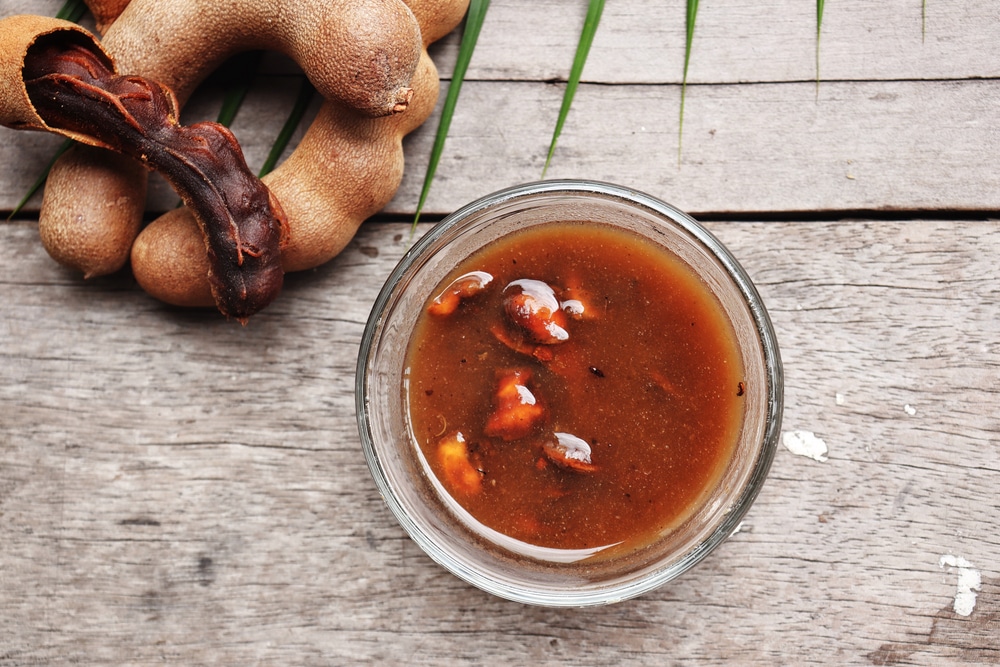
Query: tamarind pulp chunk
(531, 306)
(73, 88)
(569, 452)
(577, 303)
(464, 287)
(516, 411)
(542, 353)
(459, 472)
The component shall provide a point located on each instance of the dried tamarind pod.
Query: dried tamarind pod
(94, 199)
(105, 11)
(359, 54)
(71, 87)
(70, 232)
(368, 58)
(346, 168)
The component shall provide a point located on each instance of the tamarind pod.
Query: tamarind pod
(329, 185)
(92, 179)
(93, 202)
(105, 11)
(18, 34)
(436, 17)
(345, 169)
(72, 87)
(169, 262)
(360, 54)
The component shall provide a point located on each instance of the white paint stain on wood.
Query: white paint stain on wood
(969, 581)
(909, 409)
(805, 443)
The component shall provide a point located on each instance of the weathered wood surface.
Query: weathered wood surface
(763, 148)
(178, 489)
(900, 123)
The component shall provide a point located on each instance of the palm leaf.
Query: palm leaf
(470, 35)
(923, 20)
(579, 60)
(72, 10)
(40, 181)
(232, 102)
(302, 101)
(692, 15)
(819, 27)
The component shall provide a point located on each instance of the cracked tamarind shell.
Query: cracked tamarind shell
(73, 87)
(348, 165)
(115, 186)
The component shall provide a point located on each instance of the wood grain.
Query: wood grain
(898, 124)
(180, 489)
(642, 41)
(762, 148)
(767, 147)
(177, 489)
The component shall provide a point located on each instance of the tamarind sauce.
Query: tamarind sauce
(650, 377)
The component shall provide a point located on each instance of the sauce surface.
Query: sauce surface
(602, 424)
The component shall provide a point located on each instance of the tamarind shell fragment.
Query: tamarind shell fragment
(18, 34)
(73, 87)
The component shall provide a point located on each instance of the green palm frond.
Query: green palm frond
(590, 24)
(40, 181)
(470, 35)
(691, 17)
(72, 10)
(923, 20)
(306, 93)
(819, 28)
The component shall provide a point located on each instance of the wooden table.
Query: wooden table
(176, 488)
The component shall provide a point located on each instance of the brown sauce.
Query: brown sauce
(648, 378)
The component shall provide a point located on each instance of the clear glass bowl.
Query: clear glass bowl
(418, 502)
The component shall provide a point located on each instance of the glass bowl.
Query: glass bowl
(448, 534)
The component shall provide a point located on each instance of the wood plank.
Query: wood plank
(871, 144)
(642, 41)
(769, 41)
(176, 488)
(769, 147)
(40, 7)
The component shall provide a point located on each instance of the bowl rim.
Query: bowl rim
(772, 367)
